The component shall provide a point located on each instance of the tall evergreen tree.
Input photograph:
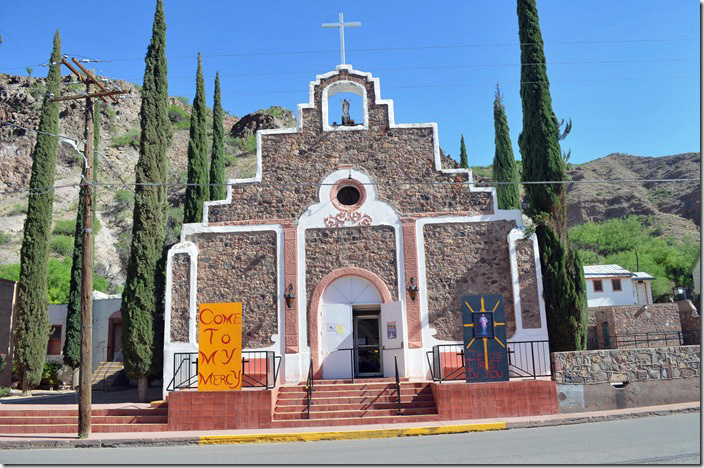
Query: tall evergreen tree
(464, 162)
(217, 158)
(139, 300)
(32, 326)
(72, 340)
(197, 191)
(563, 277)
(505, 168)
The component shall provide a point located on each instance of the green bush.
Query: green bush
(62, 245)
(179, 118)
(17, 209)
(51, 372)
(246, 146)
(3, 361)
(124, 197)
(5, 392)
(65, 227)
(129, 138)
(4, 238)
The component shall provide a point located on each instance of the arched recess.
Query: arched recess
(314, 311)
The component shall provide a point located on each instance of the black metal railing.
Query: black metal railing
(309, 387)
(259, 369)
(526, 359)
(649, 340)
(398, 387)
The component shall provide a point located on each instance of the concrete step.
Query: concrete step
(357, 399)
(74, 412)
(352, 386)
(73, 428)
(342, 414)
(320, 393)
(353, 421)
(317, 406)
(59, 420)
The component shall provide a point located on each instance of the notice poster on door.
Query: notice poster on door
(484, 327)
(391, 330)
(220, 346)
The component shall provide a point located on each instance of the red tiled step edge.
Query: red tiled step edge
(317, 406)
(73, 428)
(162, 410)
(353, 421)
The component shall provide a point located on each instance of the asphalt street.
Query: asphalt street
(673, 439)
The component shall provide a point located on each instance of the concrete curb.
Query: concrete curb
(335, 435)
(599, 418)
(350, 435)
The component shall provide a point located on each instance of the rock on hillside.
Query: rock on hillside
(676, 204)
(20, 103)
(263, 119)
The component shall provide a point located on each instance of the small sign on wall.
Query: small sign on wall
(220, 346)
(484, 326)
(391, 330)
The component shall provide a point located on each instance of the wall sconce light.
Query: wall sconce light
(289, 296)
(412, 289)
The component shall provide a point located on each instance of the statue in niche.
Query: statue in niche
(346, 113)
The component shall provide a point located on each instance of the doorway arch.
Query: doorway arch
(350, 284)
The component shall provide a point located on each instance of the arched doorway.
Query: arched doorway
(351, 322)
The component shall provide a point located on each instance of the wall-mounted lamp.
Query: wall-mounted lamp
(289, 296)
(412, 288)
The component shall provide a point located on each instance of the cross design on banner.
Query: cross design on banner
(342, 25)
(496, 324)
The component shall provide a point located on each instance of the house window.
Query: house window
(598, 287)
(53, 348)
(616, 284)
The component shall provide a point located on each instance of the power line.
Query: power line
(391, 49)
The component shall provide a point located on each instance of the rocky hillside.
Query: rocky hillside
(20, 102)
(675, 205)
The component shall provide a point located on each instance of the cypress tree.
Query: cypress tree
(32, 326)
(139, 300)
(504, 167)
(72, 341)
(217, 158)
(563, 278)
(197, 193)
(464, 163)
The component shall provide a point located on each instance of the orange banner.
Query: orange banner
(220, 346)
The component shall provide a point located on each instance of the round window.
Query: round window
(348, 195)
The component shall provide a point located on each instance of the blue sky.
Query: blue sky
(626, 72)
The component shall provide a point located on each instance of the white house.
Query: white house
(107, 328)
(612, 285)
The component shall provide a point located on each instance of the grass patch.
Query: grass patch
(17, 209)
(65, 227)
(4, 238)
(129, 138)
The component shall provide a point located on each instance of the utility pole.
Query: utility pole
(85, 370)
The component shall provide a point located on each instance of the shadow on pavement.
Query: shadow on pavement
(128, 395)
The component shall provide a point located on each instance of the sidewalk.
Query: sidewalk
(143, 439)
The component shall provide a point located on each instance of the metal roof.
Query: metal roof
(605, 271)
(641, 275)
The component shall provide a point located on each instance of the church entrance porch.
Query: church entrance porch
(362, 333)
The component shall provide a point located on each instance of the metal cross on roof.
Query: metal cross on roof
(341, 25)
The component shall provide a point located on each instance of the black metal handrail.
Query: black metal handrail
(649, 339)
(527, 359)
(259, 369)
(398, 386)
(309, 387)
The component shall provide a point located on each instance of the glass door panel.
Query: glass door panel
(368, 345)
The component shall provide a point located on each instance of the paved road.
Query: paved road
(663, 439)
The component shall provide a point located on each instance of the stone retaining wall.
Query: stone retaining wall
(626, 365)
(627, 325)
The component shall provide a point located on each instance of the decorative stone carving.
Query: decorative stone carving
(345, 218)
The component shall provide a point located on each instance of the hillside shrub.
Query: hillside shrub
(5, 392)
(179, 118)
(65, 227)
(61, 245)
(130, 138)
(17, 209)
(4, 238)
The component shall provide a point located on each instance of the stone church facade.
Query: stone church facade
(347, 221)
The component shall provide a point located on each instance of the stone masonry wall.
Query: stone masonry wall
(180, 289)
(691, 322)
(372, 248)
(627, 365)
(400, 160)
(628, 325)
(466, 258)
(241, 267)
(528, 280)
